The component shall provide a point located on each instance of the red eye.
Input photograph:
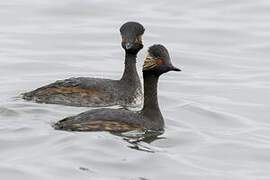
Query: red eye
(136, 40)
(123, 40)
(160, 61)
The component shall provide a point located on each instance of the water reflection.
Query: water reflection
(140, 140)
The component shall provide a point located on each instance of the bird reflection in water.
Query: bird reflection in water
(140, 140)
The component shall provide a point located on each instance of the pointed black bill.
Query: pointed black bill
(173, 68)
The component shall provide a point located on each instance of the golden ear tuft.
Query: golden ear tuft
(149, 62)
(123, 39)
(140, 38)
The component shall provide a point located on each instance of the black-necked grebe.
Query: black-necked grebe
(120, 120)
(84, 91)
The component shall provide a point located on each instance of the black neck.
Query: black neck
(130, 73)
(150, 107)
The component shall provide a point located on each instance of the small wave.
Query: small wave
(209, 117)
(7, 112)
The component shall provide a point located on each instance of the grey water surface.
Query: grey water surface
(217, 110)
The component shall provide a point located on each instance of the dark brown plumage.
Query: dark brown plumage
(121, 120)
(84, 91)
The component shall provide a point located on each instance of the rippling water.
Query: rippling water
(216, 110)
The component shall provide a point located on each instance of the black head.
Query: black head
(131, 33)
(158, 61)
